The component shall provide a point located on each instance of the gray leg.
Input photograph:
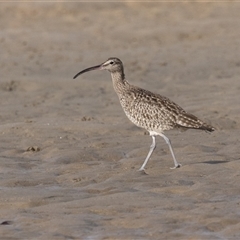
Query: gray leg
(152, 147)
(176, 164)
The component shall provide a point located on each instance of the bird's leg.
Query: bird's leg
(152, 147)
(176, 164)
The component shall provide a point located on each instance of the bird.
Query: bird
(153, 112)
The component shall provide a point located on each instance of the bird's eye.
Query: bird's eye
(111, 62)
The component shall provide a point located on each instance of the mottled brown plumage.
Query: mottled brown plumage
(148, 110)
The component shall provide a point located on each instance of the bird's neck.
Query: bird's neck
(119, 81)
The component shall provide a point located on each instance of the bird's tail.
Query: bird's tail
(187, 120)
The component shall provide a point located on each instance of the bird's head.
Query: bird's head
(112, 65)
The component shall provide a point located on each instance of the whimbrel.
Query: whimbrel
(148, 110)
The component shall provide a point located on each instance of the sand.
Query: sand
(69, 156)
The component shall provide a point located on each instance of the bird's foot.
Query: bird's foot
(142, 170)
(176, 166)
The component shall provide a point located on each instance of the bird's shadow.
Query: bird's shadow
(215, 161)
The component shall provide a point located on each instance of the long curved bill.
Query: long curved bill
(98, 67)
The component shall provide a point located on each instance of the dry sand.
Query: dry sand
(69, 156)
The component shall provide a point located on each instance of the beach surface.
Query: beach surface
(68, 154)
